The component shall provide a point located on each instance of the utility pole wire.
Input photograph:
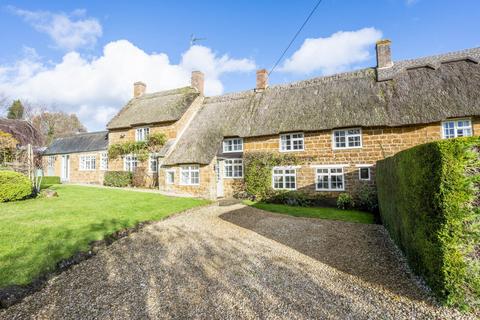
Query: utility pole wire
(295, 37)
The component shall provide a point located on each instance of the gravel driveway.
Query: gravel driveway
(202, 266)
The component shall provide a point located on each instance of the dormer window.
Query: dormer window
(456, 128)
(291, 142)
(141, 134)
(232, 145)
(347, 138)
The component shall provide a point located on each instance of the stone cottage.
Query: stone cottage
(337, 126)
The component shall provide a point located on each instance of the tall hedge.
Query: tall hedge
(14, 186)
(429, 202)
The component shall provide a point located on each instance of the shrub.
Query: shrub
(14, 186)
(139, 177)
(117, 178)
(345, 201)
(50, 180)
(298, 198)
(428, 199)
(366, 199)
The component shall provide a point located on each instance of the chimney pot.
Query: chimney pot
(384, 55)
(139, 89)
(198, 81)
(262, 79)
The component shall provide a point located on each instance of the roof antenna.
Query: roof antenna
(193, 39)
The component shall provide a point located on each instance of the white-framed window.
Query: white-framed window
(347, 138)
(232, 145)
(284, 178)
(141, 134)
(153, 163)
(130, 162)
(291, 142)
(87, 162)
(190, 175)
(51, 162)
(233, 168)
(364, 173)
(329, 179)
(104, 161)
(456, 128)
(170, 176)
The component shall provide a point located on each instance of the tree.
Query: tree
(53, 125)
(16, 110)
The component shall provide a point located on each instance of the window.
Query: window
(291, 142)
(233, 145)
(233, 168)
(153, 163)
(190, 175)
(130, 163)
(330, 179)
(103, 161)
(87, 163)
(457, 128)
(170, 176)
(284, 178)
(51, 162)
(141, 134)
(347, 138)
(364, 173)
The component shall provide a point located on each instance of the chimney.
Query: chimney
(384, 55)
(262, 79)
(139, 89)
(198, 81)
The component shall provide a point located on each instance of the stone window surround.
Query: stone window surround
(232, 142)
(285, 137)
(285, 175)
(334, 147)
(231, 163)
(455, 128)
(191, 173)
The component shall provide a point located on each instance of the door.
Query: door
(219, 174)
(65, 168)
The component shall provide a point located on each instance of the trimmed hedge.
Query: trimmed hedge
(14, 186)
(429, 202)
(117, 178)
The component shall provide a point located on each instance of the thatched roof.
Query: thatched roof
(415, 94)
(22, 131)
(82, 142)
(153, 108)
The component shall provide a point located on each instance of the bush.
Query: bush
(14, 186)
(428, 199)
(117, 178)
(366, 199)
(345, 201)
(139, 177)
(50, 180)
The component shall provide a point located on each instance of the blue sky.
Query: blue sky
(69, 55)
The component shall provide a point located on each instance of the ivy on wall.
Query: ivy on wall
(258, 171)
(140, 148)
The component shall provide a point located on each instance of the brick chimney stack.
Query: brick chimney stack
(198, 81)
(262, 79)
(139, 89)
(384, 55)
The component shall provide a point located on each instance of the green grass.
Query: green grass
(37, 233)
(315, 212)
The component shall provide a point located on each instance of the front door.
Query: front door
(65, 167)
(219, 174)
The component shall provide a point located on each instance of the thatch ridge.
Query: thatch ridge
(157, 107)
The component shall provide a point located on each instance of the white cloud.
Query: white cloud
(97, 88)
(68, 31)
(332, 54)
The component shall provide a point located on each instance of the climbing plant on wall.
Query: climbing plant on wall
(140, 148)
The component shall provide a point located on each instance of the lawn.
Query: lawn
(35, 234)
(316, 212)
